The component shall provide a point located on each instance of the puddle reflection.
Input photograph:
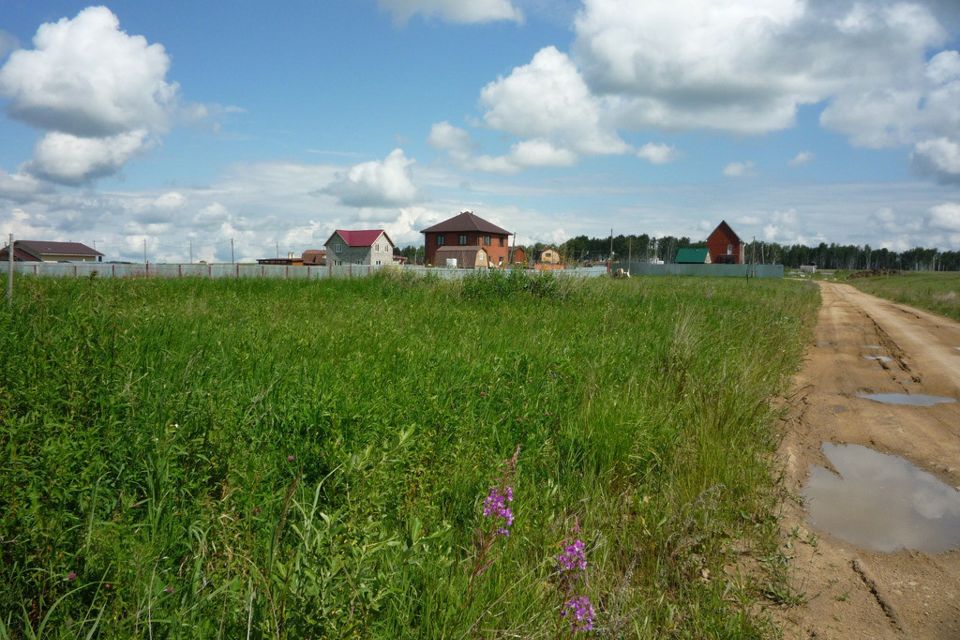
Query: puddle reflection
(912, 399)
(882, 502)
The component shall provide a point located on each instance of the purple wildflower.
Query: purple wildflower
(291, 458)
(573, 557)
(71, 576)
(168, 588)
(495, 506)
(581, 613)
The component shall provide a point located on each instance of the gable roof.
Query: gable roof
(359, 238)
(692, 256)
(723, 226)
(466, 221)
(45, 247)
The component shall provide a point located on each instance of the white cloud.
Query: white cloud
(86, 77)
(100, 94)
(541, 153)
(746, 66)
(21, 187)
(68, 159)
(657, 153)
(740, 169)
(377, 184)
(170, 201)
(527, 153)
(939, 157)
(474, 11)
(802, 158)
(945, 217)
(548, 99)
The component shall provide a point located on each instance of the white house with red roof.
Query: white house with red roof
(367, 246)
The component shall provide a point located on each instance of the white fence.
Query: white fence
(282, 272)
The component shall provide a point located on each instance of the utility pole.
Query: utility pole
(191, 251)
(144, 251)
(611, 246)
(10, 272)
(232, 261)
(278, 248)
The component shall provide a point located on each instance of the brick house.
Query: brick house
(725, 245)
(468, 230)
(44, 251)
(368, 247)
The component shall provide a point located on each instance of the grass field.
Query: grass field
(187, 458)
(938, 292)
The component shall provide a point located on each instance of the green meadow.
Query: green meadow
(259, 459)
(938, 292)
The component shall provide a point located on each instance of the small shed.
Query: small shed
(518, 256)
(549, 256)
(693, 256)
(468, 257)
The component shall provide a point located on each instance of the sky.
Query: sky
(171, 128)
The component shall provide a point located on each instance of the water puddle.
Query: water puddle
(882, 502)
(878, 358)
(912, 399)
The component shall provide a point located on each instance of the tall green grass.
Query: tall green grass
(938, 292)
(285, 459)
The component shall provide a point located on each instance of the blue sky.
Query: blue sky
(186, 123)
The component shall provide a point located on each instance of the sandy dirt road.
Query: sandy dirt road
(850, 591)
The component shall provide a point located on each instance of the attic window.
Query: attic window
(729, 249)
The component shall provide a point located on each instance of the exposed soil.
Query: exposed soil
(850, 592)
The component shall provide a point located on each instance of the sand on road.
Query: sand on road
(850, 591)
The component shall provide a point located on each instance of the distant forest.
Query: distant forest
(825, 256)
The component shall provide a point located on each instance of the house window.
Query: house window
(463, 239)
(487, 240)
(440, 240)
(729, 249)
(501, 241)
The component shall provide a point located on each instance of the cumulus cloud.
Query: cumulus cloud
(740, 170)
(475, 11)
(657, 153)
(802, 158)
(939, 157)
(21, 187)
(377, 184)
(458, 144)
(69, 159)
(945, 217)
(100, 94)
(548, 99)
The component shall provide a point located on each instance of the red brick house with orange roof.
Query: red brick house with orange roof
(725, 245)
(467, 230)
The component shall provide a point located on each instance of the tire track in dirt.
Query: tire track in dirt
(852, 592)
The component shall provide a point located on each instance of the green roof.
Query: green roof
(692, 256)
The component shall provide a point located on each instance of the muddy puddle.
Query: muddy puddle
(881, 502)
(911, 399)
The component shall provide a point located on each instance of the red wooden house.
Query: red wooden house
(725, 245)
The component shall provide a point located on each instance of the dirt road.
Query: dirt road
(851, 591)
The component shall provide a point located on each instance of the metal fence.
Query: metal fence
(707, 270)
(231, 270)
